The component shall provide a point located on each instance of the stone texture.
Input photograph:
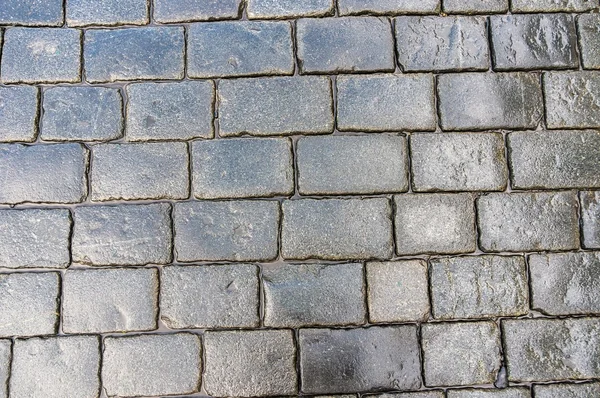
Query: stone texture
(142, 365)
(280, 9)
(336, 229)
(425, 394)
(109, 300)
(250, 363)
(313, 294)
(5, 358)
(193, 10)
(31, 12)
(350, 360)
(18, 113)
(352, 164)
(567, 390)
(590, 219)
(475, 6)
(204, 297)
(516, 392)
(106, 12)
(242, 167)
(357, 7)
(572, 99)
(553, 5)
(589, 39)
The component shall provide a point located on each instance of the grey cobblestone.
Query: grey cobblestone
(475, 6)
(572, 99)
(166, 11)
(516, 392)
(18, 113)
(31, 12)
(589, 39)
(357, 7)
(567, 390)
(5, 358)
(425, 394)
(279, 9)
(106, 12)
(553, 5)
(590, 219)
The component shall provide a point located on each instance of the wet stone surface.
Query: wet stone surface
(589, 33)
(428, 394)
(18, 113)
(357, 7)
(572, 99)
(590, 215)
(106, 12)
(475, 6)
(567, 390)
(166, 11)
(553, 5)
(516, 392)
(279, 9)
(31, 12)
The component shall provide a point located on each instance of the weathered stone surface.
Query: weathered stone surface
(475, 345)
(397, 291)
(193, 10)
(204, 297)
(5, 358)
(483, 101)
(109, 300)
(18, 113)
(240, 48)
(107, 12)
(31, 12)
(371, 359)
(357, 7)
(336, 229)
(226, 231)
(313, 294)
(458, 162)
(479, 287)
(386, 103)
(553, 5)
(134, 54)
(442, 43)
(590, 219)
(279, 9)
(56, 367)
(516, 392)
(352, 164)
(170, 111)
(250, 363)
(475, 6)
(276, 106)
(585, 390)
(140, 171)
(142, 365)
(589, 39)
(425, 394)
(572, 99)
(551, 349)
(242, 167)
(519, 222)
(82, 114)
(434, 223)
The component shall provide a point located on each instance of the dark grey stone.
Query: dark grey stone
(553, 5)
(5, 358)
(516, 392)
(572, 99)
(357, 7)
(166, 11)
(585, 390)
(107, 12)
(283, 9)
(475, 6)
(18, 113)
(590, 219)
(589, 39)
(31, 12)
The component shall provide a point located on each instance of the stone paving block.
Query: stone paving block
(166, 11)
(333, 45)
(519, 222)
(352, 164)
(204, 297)
(283, 9)
(18, 113)
(479, 287)
(589, 39)
(442, 43)
(41, 55)
(425, 394)
(35, 238)
(572, 99)
(82, 114)
(458, 162)
(134, 54)
(483, 101)
(170, 111)
(585, 390)
(5, 358)
(475, 6)
(386, 103)
(551, 349)
(351, 360)
(554, 159)
(43, 173)
(397, 291)
(165, 364)
(106, 12)
(56, 367)
(226, 231)
(357, 7)
(434, 223)
(240, 48)
(276, 106)
(460, 353)
(250, 363)
(590, 219)
(109, 300)
(313, 294)
(140, 171)
(553, 5)
(242, 167)
(539, 41)
(337, 229)
(516, 392)
(31, 12)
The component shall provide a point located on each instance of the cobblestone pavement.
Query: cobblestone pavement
(300, 198)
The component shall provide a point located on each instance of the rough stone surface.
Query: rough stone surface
(427, 394)
(18, 113)
(5, 358)
(553, 5)
(572, 99)
(31, 12)
(589, 39)
(475, 6)
(357, 7)
(567, 390)
(590, 217)
(193, 10)
(516, 392)
(277, 9)
(107, 12)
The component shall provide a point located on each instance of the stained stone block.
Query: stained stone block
(585, 390)
(475, 6)
(107, 12)
(166, 11)
(283, 9)
(425, 394)
(31, 12)
(18, 113)
(553, 5)
(590, 217)
(5, 358)
(357, 7)
(589, 38)
(572, 99)
(516, 392)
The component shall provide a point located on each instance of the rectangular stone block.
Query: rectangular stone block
(553, 5)
(5, 358)
(572, 99)
(425, 394)
(515, 392)
(283, 9)
(31, 12)
(107, 12)
(19, 113)
(475, 6)
(166, 11)
(590, 219)
(583, 390)
(356, 7)
(589, 39)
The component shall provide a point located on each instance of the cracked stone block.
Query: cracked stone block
(518, 222)
(283, 9)
(458, 162)
(337, 229)
(170, 111)
(572, 99)
(357, 7)
(584, 390)
(250, 363)
(166, 11)
(5, 358)
(31, 12)
(386, 103)
(479, 287)
(205, 297)
(442, 43)
(43, 173)
(425, 394)
(338, 165)
(240, 48)
(516, 392)
(475, 6)
(134, 54)
(334, 45)
(551, 349)
(242, 168)
(434, 223)
(140, 171)
(460, 354)
(367, 359)
(553, 5)
(41, 55)
(589, 38)
(107, 12)
(165, 364)
(276, 106)
(397, 291)
(56, 367)
(313, 294)
(18, 113)
(82, 114)
(109, 300)
(484, 101)
(226, 231)
(590, 216)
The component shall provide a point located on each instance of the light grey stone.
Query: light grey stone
(282, 9)
(590, 219)
(589, 39)
(166, 11)
(572, 99)
(107, 12)
(357, 7)
(585, 390)
(31, 12)
(5, 358)
(475, 6)
(18, 113)
(553, 5)
(424, 394)
(516, 392)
